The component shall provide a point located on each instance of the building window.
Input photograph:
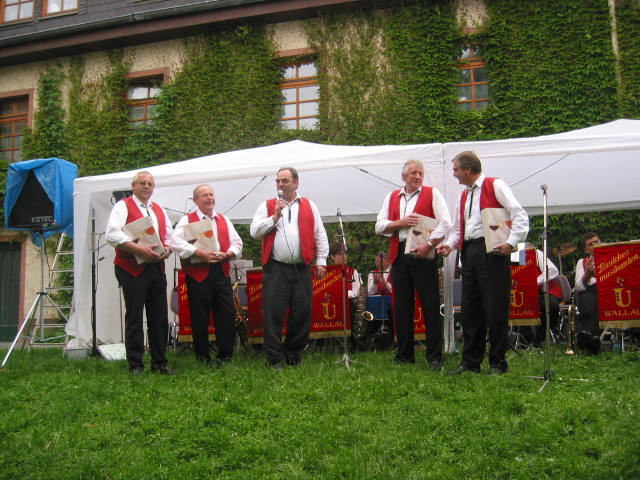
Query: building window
(53, 7)
(14, 117)
(473, 89)
(300, 96)
(142, 97)
(13, 10)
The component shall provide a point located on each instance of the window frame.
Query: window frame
(3, 7)
(45, 14)
(472, 63)
(149, 76)
(298, 58)
(28, 116)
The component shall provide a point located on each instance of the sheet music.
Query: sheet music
(420, 234)
(202, 236)
(144, 234)
(496, 224)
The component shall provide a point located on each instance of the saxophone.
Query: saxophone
(240, 317)
(361, 316)
(571, 328)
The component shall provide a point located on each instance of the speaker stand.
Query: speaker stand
(32, 322)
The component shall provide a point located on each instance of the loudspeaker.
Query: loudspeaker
(33, 208)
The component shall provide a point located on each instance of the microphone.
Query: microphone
(544, 187)
(280, 193)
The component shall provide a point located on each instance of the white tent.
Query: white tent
(589, 169)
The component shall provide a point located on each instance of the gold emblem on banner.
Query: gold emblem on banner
(327, 306)
(514, 299)
(618, 292)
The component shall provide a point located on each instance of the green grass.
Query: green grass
(89, 419)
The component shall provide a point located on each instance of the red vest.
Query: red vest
(126, 260)
(487, 200)
(200, 271)
(306, 228)
(424, 206)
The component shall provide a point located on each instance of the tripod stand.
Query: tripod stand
(28, 328)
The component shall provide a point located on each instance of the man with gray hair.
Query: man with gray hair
(416, 270)
(144, 285)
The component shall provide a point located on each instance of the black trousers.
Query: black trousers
(285, 287)
(215, 294)
(148, 291)
(589, 318)
(409, 274)
(486, 287)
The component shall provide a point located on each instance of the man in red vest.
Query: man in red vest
(416, 270)
(486, 275)
(292, 236)
(205, 262)
(140, 273)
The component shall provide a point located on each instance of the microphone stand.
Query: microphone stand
(346, 360)
(548, 373)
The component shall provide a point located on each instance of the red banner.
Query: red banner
(326, 313)
(618, 284)
(524, 308)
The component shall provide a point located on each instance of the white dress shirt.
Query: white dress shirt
(407, 204)
(553, 270)
(372, 285)
(580, 286)
(118, 219)
(286, 246)
(473, 219)
(185, 249)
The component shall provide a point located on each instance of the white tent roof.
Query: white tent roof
(589, 169)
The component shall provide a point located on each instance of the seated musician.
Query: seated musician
(379, 281)
(555, 296)
(339, 257)
(587, 295)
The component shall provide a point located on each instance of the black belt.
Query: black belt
(277, 262)
(473, 241)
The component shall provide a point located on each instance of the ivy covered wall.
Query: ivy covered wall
(386, 76)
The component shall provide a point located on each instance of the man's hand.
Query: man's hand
(422, 251)
(502, 249)
(148, 254)
(321, 271)
(444, 250)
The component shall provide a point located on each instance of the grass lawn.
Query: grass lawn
(90, 419)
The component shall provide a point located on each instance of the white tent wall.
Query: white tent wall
(585, 170)
(353, 179)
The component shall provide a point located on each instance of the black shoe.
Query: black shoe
(401, 360)
(162, 369)
(464, 368)
(435, 366)
(293, 361)
(497, 371)
(136, 370)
